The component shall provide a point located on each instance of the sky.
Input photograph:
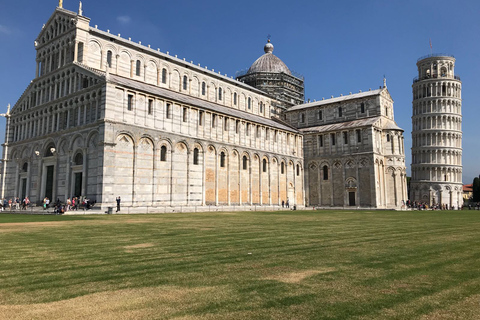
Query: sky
(339, 46)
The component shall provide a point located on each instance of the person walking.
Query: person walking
(118, 203)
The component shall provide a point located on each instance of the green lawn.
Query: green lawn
(249, 265)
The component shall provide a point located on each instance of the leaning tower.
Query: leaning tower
(437, 133)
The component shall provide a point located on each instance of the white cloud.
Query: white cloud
(124, 19)
(5, 30)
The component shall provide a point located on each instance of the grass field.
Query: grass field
(249, 265)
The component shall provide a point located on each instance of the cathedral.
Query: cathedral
(107, 117)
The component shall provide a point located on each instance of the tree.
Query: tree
(476, 189)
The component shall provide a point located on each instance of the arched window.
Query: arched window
(222, 159)
(25, 167)
(235, 98)
(282, 168)
(388, 138)
(264, 167)
(340, 113)
(163, 153)
(50, 150)
(261, 107)
(249, 103)
(185, 82)
(203, 88)
(219, 93)
(195, 156)
(298, 169)
(362, 108)
(164, 75)
(78, 159)
(245, 162)
(137, 69)
(109, 58)
(225, 125)
(325, 173)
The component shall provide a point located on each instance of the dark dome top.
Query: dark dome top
(269, 62)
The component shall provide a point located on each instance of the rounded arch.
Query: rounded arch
(77, 157)
(186, 145)
(211, 149)
(140, 57)
(95, 42)
(92, 139)
(63, 146)
(125, 137)
(351, 182)
(165, 142)
(76, 141)
(147, 136)
(110, 47)
(49, 149)
(146, 139)
(14, 154)
(26, 152)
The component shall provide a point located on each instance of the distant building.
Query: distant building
(437, 133)
(467, 192)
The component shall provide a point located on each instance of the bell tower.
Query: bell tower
(437, 133)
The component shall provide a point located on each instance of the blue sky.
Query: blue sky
(338, 46)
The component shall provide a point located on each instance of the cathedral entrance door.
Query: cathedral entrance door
(351, 198)
(49, 183)
(23, 192)
(78, 184)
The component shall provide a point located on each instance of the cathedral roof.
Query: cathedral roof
(207, 105)
(337, 99)
(269, 62)
(378, 121)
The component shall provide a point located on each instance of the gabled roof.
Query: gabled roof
(193, 101)
(58, 11)
(338, 99)
(94, 72)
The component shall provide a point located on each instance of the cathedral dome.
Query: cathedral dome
(269, 62)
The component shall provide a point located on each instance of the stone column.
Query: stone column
(84, 172)
(68, 175)
(75, 51)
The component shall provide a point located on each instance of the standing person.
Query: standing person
(283, 204)
(69, 204)
(10, 204)
(17, 203)
(118, 203)
(288, 203)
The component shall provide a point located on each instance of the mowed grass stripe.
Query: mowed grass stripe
(303, 265)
